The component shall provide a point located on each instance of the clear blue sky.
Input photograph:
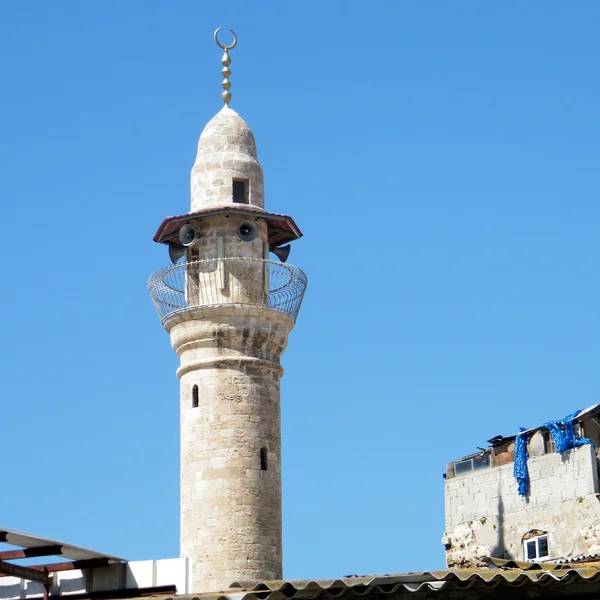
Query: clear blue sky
(442, 161)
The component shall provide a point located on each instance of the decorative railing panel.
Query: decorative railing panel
(216, 281)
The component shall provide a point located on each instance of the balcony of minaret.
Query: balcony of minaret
(211, 282)
(222, 266)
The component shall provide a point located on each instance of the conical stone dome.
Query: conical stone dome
(226, 159)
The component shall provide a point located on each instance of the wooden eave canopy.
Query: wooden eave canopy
(281, 228)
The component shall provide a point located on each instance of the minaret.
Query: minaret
(229, 310)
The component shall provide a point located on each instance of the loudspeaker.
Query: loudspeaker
(187, 235)
(175, 253)
(247, 231)
(282, 252)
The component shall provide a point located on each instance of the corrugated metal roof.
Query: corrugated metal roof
(591, 411)
(520, 579)
(581, 558)
(554, 565)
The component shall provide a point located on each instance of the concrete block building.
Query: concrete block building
(557, 518)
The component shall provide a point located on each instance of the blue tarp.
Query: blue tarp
(520, 469)
(563, 434)
(564, 438)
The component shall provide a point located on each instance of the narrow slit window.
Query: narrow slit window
(263, 459)
(195, 397)
(241, 191)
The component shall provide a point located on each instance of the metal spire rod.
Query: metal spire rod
(226, 61)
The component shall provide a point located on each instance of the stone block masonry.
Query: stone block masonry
(229, 340)
(485, 516)
(226, 151)
(230, 443)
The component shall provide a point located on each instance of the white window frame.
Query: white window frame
(471, 461)
(535, 539)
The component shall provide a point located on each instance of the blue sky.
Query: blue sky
(442, 161)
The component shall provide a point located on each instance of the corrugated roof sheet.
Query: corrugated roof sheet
(590, 411)
(519, 579)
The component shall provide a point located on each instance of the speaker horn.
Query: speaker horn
(187, 235)
(282, 252)
(247, 231)
(175, 253)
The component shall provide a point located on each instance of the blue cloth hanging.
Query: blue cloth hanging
(563, 434)
(520, 462)
(564, 438)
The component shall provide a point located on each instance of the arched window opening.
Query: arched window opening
(195, 397)
(263, 459)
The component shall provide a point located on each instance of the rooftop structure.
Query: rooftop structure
(33, 566)
(532, 496)
(497, 579)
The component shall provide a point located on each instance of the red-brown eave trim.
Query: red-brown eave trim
(281, 228)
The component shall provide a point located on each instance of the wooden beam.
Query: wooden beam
(161, 590)
(279, 230)
(31, 552)
(24, 573)
(90, 563)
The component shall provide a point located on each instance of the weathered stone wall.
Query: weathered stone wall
(229, 344)
(230, 506)
(485, 516)
(226, 150)
(209, 230)
(216, 282)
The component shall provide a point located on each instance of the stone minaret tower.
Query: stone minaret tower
(229, 311)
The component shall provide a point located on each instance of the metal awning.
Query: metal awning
(35, 544)
(26, 545)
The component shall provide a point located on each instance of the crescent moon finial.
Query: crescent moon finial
(231, 46)
(226, 61)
